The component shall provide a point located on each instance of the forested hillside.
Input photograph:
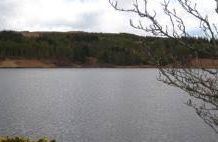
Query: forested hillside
(64, 49)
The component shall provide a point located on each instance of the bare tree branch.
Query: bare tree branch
(202, 84)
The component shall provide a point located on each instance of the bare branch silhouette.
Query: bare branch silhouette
(202, 84)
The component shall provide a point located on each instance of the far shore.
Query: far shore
(34, 63)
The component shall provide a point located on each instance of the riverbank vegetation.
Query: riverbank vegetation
(20, 139)
(100, 49)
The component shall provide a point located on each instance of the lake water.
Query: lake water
(96, 105)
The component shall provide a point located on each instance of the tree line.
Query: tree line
(116, 49)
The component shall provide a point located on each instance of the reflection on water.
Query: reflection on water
(97, 105)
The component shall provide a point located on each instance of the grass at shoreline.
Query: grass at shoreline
(22, 139)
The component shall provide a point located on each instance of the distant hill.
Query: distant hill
(81, 49)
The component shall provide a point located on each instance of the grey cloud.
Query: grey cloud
(83, 1)
(89, 20)
(8, 10)
(84, 22)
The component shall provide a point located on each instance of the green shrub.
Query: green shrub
(21, 139)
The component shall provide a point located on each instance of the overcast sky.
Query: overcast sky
(81, 15)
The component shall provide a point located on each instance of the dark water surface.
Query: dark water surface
(96, 105)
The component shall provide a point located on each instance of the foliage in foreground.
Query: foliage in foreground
(20, 139)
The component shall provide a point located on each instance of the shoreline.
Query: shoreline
(40, 64)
